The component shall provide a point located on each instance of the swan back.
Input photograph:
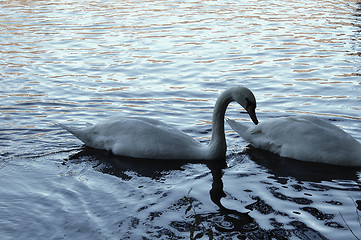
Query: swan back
(140, 138)
(306, 138)
(149, 138)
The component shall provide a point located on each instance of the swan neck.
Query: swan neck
(217, 145)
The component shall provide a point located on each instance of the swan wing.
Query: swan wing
(139, 138)
(242, 130)
(255, 136)
(306, 138)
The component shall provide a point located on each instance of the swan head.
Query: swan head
(246, 99)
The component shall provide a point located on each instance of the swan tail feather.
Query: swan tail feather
(77, 132)
(240, 129)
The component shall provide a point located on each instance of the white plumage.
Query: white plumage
(305, 138)
(139, 138)
(149, 138)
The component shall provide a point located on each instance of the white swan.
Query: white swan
(153, 139)
(305, 138)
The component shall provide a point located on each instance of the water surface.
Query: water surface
(85, 61)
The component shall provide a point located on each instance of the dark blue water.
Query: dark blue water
(85, 61)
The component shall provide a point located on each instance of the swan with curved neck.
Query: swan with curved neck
(148, 138)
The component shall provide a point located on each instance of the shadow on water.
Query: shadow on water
(294, 174)
(225, 222)
(281, 167)
(106, 162)
(228, 220)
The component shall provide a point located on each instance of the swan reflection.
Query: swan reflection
(224, 220)
(284, 168)
(228, 219)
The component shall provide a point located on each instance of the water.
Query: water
(84, 61)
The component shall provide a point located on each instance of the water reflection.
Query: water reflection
(287, 172)
(285, 168)
(108, 163)
(229, 219)
(230, 222)
(294, 191)
(225, 220)
(86, 60)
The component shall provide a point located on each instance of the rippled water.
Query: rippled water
(84, 61)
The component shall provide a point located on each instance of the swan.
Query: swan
(305, 138)
(140, 137)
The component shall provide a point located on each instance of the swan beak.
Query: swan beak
(251, 109)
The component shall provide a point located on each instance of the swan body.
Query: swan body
(141, 137)
(305, 138)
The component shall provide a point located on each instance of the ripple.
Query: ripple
(86, 61)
